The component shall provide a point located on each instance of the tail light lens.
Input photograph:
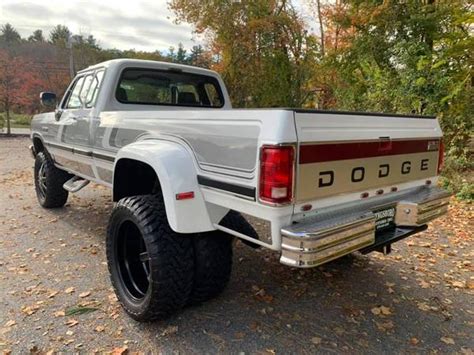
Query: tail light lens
(276, 174)
(441, 156)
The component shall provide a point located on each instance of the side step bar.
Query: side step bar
(75, 184)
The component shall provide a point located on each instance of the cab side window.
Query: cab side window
(74, 100)
(91, 96)
(85, 88)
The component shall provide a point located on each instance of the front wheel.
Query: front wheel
(49, 182)
(150, 265)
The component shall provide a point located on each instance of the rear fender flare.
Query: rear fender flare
(176, 172)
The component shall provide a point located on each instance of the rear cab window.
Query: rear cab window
(170, 88)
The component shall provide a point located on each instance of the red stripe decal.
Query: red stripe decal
(318, 153)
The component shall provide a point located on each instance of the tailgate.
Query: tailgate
(341, 152)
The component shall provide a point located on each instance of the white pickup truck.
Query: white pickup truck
(184, 167)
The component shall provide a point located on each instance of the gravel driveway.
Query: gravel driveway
(55, 293)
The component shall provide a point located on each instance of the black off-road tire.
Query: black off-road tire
(49, 182)
(169, 261)
(212, 265)
(213, 257)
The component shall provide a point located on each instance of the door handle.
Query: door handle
(57, 114)
(45, 128)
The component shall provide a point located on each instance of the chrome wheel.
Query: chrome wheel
(42, 180)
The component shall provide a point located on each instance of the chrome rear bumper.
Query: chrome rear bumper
(348, 228)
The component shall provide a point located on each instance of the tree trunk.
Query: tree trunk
(321, 28)
(7, 112)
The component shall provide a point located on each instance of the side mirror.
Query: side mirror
(48, 99)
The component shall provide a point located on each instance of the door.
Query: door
(74, 120)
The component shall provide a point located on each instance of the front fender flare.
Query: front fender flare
(175, 169)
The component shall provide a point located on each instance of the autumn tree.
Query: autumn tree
(18, 85)
(406, 57)
(264, 51)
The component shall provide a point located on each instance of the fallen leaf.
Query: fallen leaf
(84, 294)
(447, 340)
(120, 351)
(316, 340)
(72, 322)
(99, 328)
(424, 284)
(10, 323)
(385, 326)
(414, 341)
(382, 310)
(423, 306)
(172, 329)
(113, 298)
(69, 290)
(376, 311)
(59, 314)
(30, 310)
(459, 284)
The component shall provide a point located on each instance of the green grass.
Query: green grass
(17, 120)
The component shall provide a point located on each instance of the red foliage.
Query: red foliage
(19, 84)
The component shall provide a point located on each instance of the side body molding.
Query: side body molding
(176, 171)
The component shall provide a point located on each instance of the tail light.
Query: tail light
(276, 174)
(441, 156)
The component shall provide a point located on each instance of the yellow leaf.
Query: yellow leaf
(447, 340)
(459, 284)
(10, 323)
(72, 322)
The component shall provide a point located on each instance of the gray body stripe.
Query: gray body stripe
(82, 152)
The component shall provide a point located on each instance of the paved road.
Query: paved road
(418, 299)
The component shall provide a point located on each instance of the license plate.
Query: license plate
(384, 218)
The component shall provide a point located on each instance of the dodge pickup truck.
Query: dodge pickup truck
(186, 171)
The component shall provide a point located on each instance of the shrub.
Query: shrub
(21, 119)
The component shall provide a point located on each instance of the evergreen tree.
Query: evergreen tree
(37, 36)
(9, 35)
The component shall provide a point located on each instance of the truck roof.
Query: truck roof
(125, 62)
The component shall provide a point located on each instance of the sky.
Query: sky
(124, 24)
(138, 24)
